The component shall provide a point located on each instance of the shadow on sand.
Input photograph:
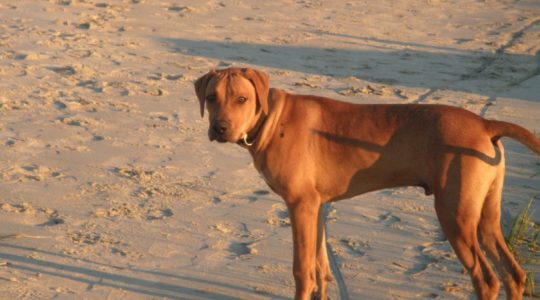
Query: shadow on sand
(149, 283)
(380, 61)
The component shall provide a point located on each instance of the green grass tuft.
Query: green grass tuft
(530, 286)
(519, 228)
(524, 234)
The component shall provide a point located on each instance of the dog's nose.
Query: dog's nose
(221, 126)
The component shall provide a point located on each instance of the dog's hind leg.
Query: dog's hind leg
(458, 202)
(493, 242)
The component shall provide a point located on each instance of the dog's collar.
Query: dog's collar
(254, 133)
(245, 141)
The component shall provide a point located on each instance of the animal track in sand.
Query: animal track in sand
(7, 104)
(37, 215)
(64, 70)
(223, 228)
(356, 247)
(272, 268)
(252, 195)
(242, 250)
(437, 255)
(79, 75)
(138, 174)
(183, 10)
(80, 121)
(26, 55)
(128, 210)
(84, 240)
(151, 183)
(75, 104)
(25, 145)
(370, 89)
(278, 215)
(245, 245)
(31, 172)
(314, 82)
(256, 194)
(92, 238)
(389, 219)
(71, 101)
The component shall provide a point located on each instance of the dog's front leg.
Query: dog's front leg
(304, 212)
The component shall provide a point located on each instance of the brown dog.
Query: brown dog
(313, 150)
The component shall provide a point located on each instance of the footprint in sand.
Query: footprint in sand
(93, 238)
(437, 255)
(28, 55)
(74, 103)
(34, 215)
(182, 10)
(256, 194)
(278, 215)
(64, 71)
(369, 90)
(355, 247)
(31, 172)
(138, 174)
(245, 245)
(151, 183)
(80, 121)
(242, 250)
(12, 104)
(132, 211)
(389, 219)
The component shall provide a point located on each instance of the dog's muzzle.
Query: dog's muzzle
(218, 131)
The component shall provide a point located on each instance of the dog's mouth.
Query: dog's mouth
(212, 136)
(220, 138)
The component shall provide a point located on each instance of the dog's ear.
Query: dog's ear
(200, 88)
(260, 81)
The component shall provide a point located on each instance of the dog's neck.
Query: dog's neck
(251, 136)
(263, 131)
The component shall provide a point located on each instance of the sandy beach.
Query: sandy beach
(110, 188)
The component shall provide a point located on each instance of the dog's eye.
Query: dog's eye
(210, 98)
(242, 99)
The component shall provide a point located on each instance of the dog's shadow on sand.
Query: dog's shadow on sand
(93, 274)
(386, 62)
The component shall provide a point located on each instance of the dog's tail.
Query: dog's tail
(499, 129)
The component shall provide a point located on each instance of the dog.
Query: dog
(314, 150)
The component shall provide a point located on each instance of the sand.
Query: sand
(110, 189)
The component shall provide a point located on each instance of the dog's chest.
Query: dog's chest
(266, 177)
(268, 182)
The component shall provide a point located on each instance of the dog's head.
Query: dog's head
(235, 99)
